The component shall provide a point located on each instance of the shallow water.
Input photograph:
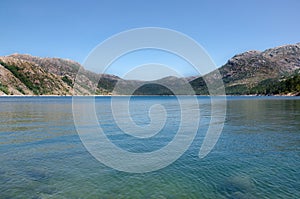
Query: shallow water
(257, 155)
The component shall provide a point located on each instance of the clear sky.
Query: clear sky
(72, 28)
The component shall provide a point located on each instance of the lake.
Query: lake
(256, 156)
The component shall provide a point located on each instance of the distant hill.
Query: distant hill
(273, 71)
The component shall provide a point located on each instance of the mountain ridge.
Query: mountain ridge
(245, 71)
(250, 72)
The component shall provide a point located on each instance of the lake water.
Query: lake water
(257, 155)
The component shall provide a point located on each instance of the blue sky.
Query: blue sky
(71, 29)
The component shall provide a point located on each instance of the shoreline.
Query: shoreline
(287, 95)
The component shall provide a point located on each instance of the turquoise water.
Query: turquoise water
(257, 155)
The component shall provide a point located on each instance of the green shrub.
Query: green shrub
(67, 80)
(20, 90)
(4, 88)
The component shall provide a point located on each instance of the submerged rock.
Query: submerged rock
(238, 187)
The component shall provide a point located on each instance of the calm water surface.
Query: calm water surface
(257, 155)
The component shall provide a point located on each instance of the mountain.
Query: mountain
(248, 72)
(29, 75)
(273, 71)
(20, 77)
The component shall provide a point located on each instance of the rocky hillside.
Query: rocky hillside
(273, 71)
(29, 75)
(21, 77)
(246, 73)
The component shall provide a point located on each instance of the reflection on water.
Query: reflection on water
(257, 156)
